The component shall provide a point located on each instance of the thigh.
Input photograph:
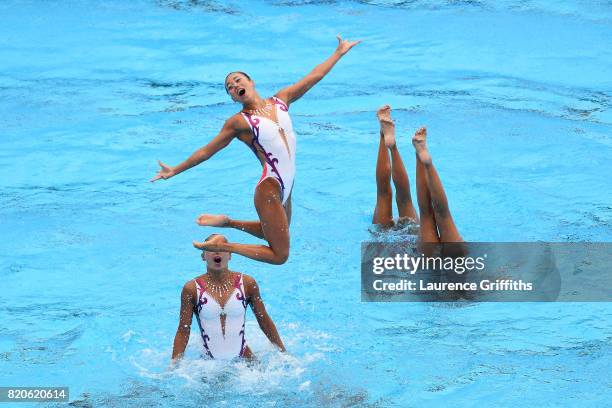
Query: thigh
(287, 207)
(272, 215)
(448, 229)
(428, 232)
(383, 212)
(247, 353)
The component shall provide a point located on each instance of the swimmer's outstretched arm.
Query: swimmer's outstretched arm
(259, 310)
(225, 136)
(294, 92)
(184, 329)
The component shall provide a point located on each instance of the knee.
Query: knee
(384, 191)
(280, 257)
(440, 209)
(383, 173)
(403, 195)
(424, 209)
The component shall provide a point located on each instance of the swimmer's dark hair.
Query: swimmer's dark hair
(210, 236)
(235, 72)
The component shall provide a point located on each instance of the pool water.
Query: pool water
(517, 99)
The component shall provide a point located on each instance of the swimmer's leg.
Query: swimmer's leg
(398, 171)
(288, 208)
(383, 212)
(248, 354)
(401, 182)
(223, 221)
(250, 227)
(274, 225)
(428, 233)
(437, 197)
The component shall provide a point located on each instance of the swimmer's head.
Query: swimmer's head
(239, 86)
(216, 259)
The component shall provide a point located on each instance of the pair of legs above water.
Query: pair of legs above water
(436, 223)
(387, 169)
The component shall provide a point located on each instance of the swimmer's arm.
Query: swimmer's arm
(259, 310)
(184, 329)
(225, 136)
(294, 92)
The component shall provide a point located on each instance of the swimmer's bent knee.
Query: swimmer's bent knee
(280, 257)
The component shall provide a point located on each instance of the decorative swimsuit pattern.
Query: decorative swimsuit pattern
(275, 141)
(225, 342)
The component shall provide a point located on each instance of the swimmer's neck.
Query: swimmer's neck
(255, 102)
(218, 275)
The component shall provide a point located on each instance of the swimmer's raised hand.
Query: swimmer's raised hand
(294, 92)
(344, 46)
(164, 173)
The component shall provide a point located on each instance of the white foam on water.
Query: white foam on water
(272, 370)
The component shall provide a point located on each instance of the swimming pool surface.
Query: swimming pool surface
(517, 99)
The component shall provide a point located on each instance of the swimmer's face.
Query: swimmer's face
(239, 86)
(216, 259)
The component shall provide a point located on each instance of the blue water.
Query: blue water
(517, 99)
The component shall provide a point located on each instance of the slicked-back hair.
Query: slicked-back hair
(210, 236)
(235, 72)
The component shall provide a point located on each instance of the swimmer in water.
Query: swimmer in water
(436, 223)
(265, 126)
(219, 299)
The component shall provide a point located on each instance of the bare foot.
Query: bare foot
(419, 141)
(212, 220)
(387, 126)
(216, 243)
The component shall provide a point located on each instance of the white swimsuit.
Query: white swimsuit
(276, 143)
(220, 344)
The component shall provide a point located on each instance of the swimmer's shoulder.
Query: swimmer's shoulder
(250, 285)
(237, 123)
(247, 279)
(189, 288)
